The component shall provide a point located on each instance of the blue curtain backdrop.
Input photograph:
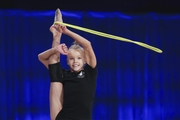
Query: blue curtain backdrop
(134, 83)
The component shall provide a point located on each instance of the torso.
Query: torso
(79, 90)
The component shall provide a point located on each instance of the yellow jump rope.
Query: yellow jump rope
(110, 36)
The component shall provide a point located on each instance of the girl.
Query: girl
(71, 91)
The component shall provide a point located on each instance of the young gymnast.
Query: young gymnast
(71, 91)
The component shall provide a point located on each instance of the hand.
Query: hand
(55, 29)
(62, 49)
(63, 29)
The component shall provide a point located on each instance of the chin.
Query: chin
(76, 70)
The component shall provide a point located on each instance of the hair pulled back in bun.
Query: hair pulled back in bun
(77, 47)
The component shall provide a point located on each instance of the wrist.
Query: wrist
(67, 32)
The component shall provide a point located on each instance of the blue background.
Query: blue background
(133, 83)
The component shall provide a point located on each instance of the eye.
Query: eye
(71, 58)
(79, 57)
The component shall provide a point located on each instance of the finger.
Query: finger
(59, 27)
(65, 49)
(56, 25)
(63, 44)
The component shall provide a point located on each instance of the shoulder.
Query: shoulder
(91, 70)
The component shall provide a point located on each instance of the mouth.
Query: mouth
(75, 65)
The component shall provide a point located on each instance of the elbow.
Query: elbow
(88, 44)
(39, 57)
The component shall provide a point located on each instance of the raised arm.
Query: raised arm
(89, 52)
(44, 56)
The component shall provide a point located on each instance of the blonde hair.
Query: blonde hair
(76, 47)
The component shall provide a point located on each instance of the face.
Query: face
(75, 60)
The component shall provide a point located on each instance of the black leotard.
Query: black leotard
(79, 90)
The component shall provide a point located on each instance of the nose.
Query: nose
(75, 60)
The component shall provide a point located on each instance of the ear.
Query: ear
(84, 61)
